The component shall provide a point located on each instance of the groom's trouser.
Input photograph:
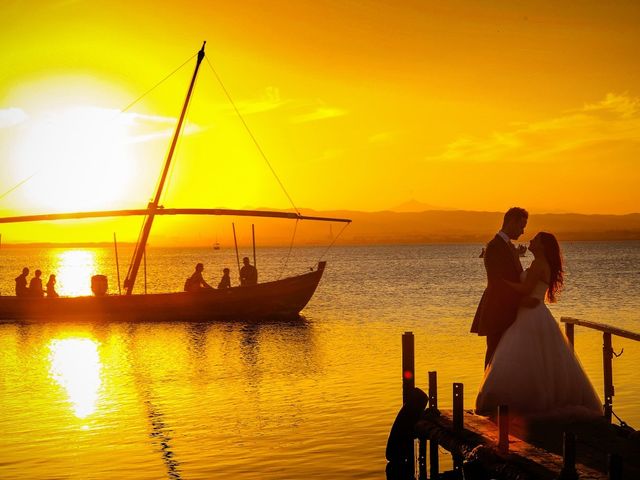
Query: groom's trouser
(492, 343)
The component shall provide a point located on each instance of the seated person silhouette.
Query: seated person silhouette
(35, 285)
(195, 282)
(51, 287)
(225, 281)
(248, 273)
(21, 283)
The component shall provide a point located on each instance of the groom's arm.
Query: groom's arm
(495, 265)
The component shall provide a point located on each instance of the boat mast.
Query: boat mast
(130, 280)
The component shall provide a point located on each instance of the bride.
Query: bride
(534, 369)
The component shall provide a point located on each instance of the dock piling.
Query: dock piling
(408, 365)
(458, 403)
(607, 357)
(568, 471)
(433, 390)
(615, 467)
(569, 332)
(503, 429)
(434, 464)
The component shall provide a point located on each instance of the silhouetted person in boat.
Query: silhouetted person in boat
(225, 281)
(51, 287)
(195, 282)
(248, 273)
(35, 285)
(21, 283)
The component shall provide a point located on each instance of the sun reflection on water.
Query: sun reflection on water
(74, 270)
(75, 365)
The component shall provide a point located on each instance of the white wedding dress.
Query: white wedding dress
(535, 371)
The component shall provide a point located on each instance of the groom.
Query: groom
(499, 303)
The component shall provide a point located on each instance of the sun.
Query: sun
(79, 151)
(78, 158)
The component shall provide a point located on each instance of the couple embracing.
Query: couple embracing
(529, 364)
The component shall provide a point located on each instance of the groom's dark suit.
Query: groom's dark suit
(499, 303)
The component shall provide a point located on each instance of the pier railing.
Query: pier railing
(607, 353)
(482, 447)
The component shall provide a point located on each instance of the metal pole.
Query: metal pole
(253, 236)
(115, 245)
(235, 241)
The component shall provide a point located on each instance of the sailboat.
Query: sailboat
(283, 298)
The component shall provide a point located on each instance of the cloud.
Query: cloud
(12, 116)
(616, 118)
(300, 110)
(319, 113)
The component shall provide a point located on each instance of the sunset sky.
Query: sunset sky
(359, 105)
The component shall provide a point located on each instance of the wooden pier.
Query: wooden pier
(485, 448)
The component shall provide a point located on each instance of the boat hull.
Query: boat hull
(278, 299)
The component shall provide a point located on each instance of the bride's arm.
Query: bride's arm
(533, 276)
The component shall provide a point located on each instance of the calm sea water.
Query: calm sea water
(313, 398)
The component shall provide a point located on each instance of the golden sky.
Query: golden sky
(359, 105)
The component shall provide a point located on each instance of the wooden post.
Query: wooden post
(422, 458)
(615, 467)
(569, 331)
(253, 238)
(568, 471)
(144, 256)
(607, 357)
(115, 245)
(434, 464)
(235, 242)
(458, 403)
(503, 429)
(433, 390)
(408, 366)
(434, 459)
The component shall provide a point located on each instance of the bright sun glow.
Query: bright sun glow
(73, 272)
(75, 365)
(80, 157)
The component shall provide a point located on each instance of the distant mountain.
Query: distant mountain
(386, 227)
(414, 205)
(470, 227)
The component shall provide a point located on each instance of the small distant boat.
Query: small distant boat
(280, 298)
(482, 253)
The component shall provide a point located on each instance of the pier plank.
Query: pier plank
(478, 443)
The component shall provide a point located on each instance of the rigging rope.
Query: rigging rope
(22, 182)
(176, 153)
(19, 184)
(333, 241)
(255, 141)
(156, 85)
(286, 260)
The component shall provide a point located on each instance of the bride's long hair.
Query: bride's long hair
(554, 258)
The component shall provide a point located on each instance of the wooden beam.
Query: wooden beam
(602, 327)
(168, 211)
